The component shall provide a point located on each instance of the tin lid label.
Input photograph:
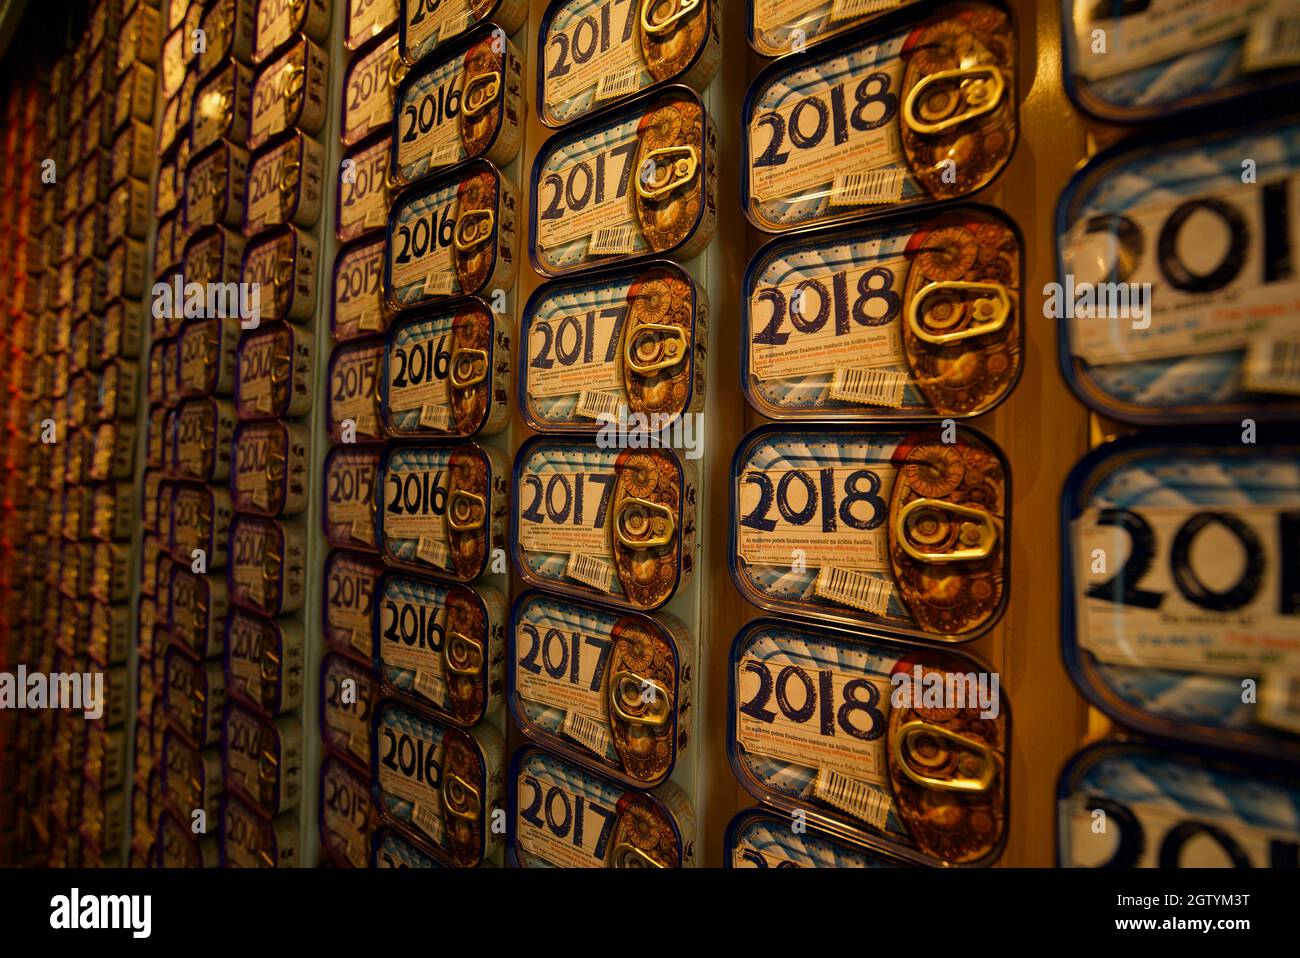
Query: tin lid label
(896, 105)
(351, 581)
(1180, 565)
(440, 644)
(610, 825)
(359, 291)
(777, 27)
(350, 481)
(1162, 806)
(921, 320)
(346, 703)
(635, 185)
(595, 53)
(1175, 278)
(848, 526)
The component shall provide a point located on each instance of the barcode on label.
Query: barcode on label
(612, 241)
(587, 732)
(1273, 366)
(871, 387)
(844, 9)
(431, 686)
(854, 589)
(1273, 41)
(435, 416)
(590, 570)
(362, 530)
(370, 319)
(593, 404)
(849, 795)
(874, 186)
(619, 82)
(440, 284)
(444, 154)
(433, 552)
(427, 820)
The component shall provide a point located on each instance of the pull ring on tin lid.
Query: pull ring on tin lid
(981, 89)
(632, 524)
(397, 70)
(978, 536)
(479, 94)
(671, 343)
(469, 367)
(473, 228)
(666, 169)
(915, 729)
(466, 511)
(990, 310)
(289, 176)
(269, 667)
(681, 8)
(627, 855)
(460, 798)
(294, 81)
(628, 689)
(463, 654)
(283, 272)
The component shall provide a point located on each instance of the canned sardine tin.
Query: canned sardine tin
(290, 92)
(196, 609)
(346, 815)
(453, 236)
(352, 410)
(347, 701)
(424, 27)
(920, 319)
(268, 560)
(249, 840)
(364, 188)
(631, 342)
(848, 730)
(364, 19)
(368, 90)
(263, 759)
(264, 661)
(1198, 599)
(281, 263)
(444, 784)
(285, 184)
(922, 114)
(464, 104)
(351, 478)
(442, 509)
(778, 27)
(390, 849)
(270, 474)
(273, 372)
(596, 55)
(1162, 60)
(616, 526)
(758, 838)
(351, 584)
(358, 307)
(1208, 273)
(604, 688)
(447, 372)
(1169, 809)
(611, 826)
(898, 531)
(637, 184)
(441, 645)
